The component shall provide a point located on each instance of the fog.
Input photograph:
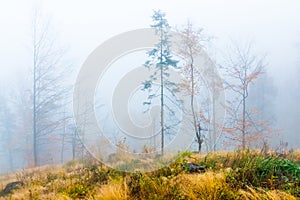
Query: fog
(79, 27)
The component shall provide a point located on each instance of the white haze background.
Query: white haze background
(273, 26)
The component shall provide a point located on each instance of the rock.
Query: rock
(193, 167)
(11, 186)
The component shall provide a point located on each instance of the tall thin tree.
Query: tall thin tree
(190, 47)
(160, 57)
(48, 87)
(241, 70)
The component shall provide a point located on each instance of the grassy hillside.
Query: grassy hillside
(229, 175)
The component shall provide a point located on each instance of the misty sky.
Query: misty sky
(273, 25)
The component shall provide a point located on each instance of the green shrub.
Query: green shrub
(270, 173)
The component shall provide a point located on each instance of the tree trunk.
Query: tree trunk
(244, 122)
(196, 123)
(34, 98)
(162, 98)
(214, 119)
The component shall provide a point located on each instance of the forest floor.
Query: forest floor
(248, 174)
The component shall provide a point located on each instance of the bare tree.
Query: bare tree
(48, 87)
(191, 46)
(201, 82)
(241, 70)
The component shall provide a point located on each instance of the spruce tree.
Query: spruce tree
(161, 61)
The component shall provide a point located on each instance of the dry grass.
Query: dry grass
(206, 186)
(294, 156)
(213, 186)
(112, 191)
(251, 194)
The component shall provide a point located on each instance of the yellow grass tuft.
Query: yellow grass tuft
(294, 156)
(112, 191)
(207, 186)
(251, 194)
